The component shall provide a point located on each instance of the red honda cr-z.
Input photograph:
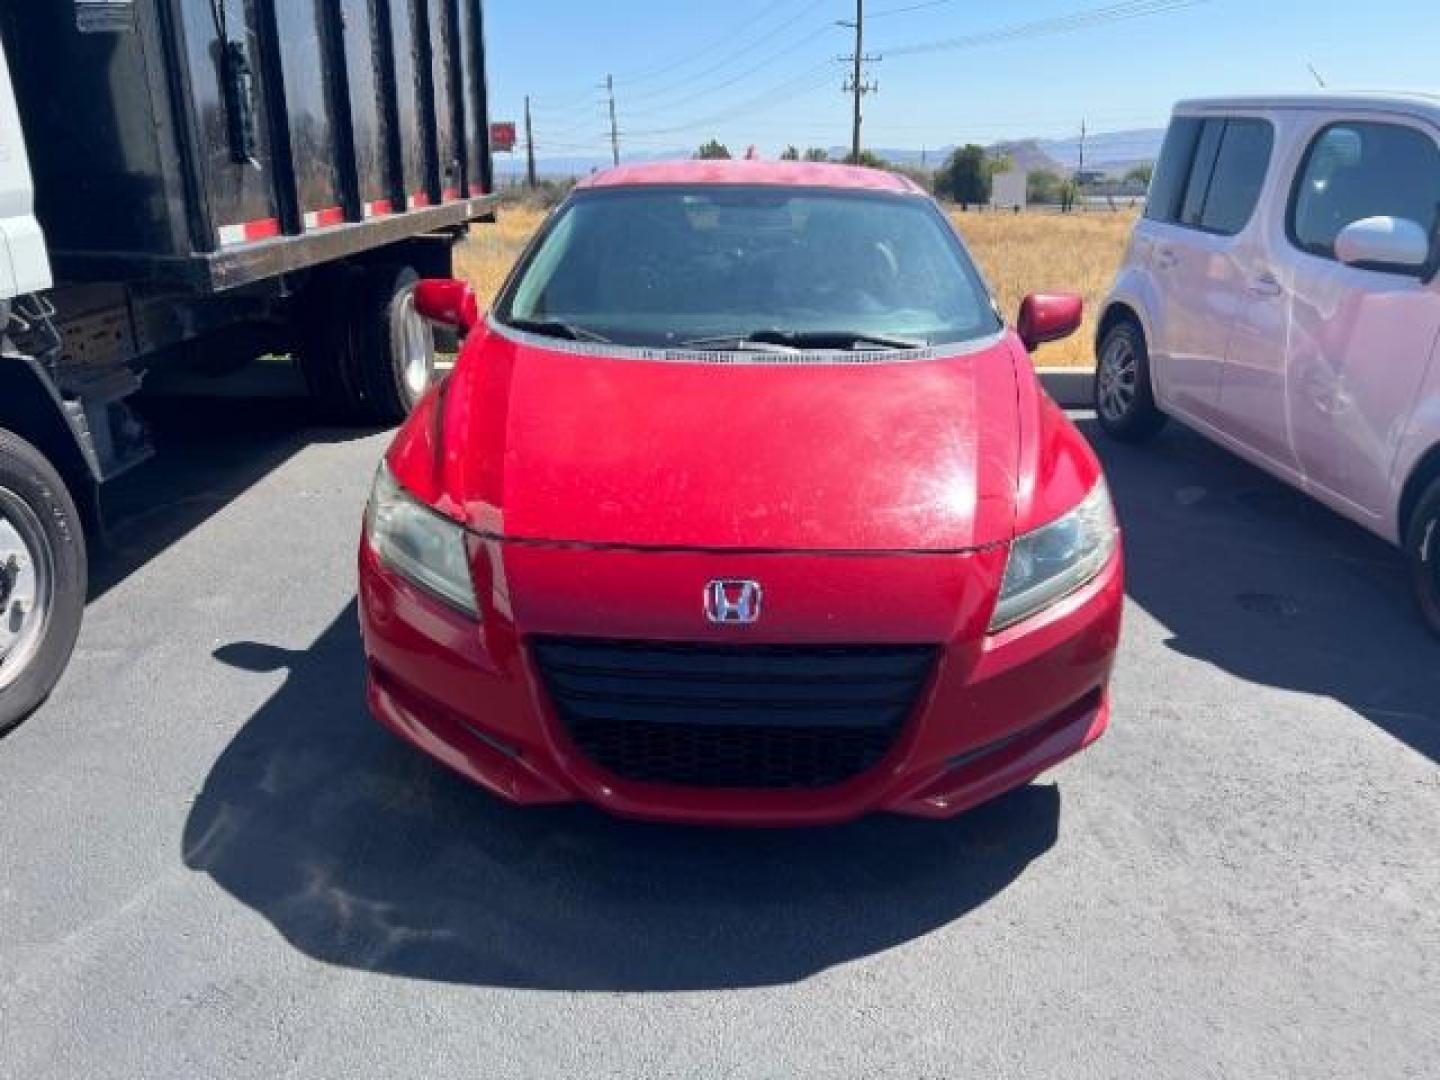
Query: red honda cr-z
(743, 506)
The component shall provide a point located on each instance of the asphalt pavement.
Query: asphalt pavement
(213, 864)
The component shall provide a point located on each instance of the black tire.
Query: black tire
(396, 347)
(39, 527)
(328, 348)
(1124, 394)
(1422, 549)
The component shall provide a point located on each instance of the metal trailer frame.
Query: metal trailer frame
(172, 167)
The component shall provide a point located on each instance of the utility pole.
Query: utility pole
(857, 79)
(614, 130)
(857, 86)
(1081, 169)
(529, 146)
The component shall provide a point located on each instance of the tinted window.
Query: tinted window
(1205, 155)
(660, 266)
(1354, 171)
(1167, 186)
(1239, 176)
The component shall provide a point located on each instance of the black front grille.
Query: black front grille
(718, 716)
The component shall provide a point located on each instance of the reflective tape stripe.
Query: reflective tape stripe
(248, 232)
(321, 219)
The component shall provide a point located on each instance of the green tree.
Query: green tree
(998, 164)
(924, 177)
(1069, 192)
(714, 150)
(868, 158)
(965, 178)
(1140, 174)
(816, 153)
(1043, 186)
(790, 153)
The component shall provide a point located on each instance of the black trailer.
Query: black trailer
(218, 180)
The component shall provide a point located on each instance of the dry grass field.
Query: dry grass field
(1019, 253)
(1043, 251)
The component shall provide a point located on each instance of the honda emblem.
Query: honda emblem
(733, 603)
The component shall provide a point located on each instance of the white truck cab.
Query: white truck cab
(24, 263)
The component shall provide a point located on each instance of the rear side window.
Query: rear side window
(1357, 170)
(1201, 173)
(1239, 176)
(1172, 171)
(1211, 173)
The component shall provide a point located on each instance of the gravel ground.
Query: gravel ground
(213, 864)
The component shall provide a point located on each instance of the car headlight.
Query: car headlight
(1053, 561)
(422, 546)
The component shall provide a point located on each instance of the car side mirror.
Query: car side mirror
(448, 302)
(1384, 243)
(1048, 317)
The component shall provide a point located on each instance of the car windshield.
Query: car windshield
(757, 267)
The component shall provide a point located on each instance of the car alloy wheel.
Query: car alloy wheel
(1119, 378)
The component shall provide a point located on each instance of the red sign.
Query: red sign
(502, 135)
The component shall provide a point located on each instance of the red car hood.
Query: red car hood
(546, 444)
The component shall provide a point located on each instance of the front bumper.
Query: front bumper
(997, 711)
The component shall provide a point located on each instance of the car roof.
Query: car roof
(1411, 104)
(809, 174)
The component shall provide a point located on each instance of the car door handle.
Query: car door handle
(1166, 259)
(1266, 285)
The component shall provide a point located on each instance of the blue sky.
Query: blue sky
(762, 72)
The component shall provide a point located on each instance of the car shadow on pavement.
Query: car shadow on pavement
(364, 853)
(1263, 582)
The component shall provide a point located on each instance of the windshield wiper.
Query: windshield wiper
(737, 343)
(558, 329)
(815, 339)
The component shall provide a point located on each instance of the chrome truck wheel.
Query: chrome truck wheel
(27, 585)
(416, 347)
(42, 578)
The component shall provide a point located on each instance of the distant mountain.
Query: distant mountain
(1028, 155)
(1110, 151)
(509, 165)
(1114, 152)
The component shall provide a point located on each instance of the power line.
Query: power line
(738, 54)
(572, 111)
(1059, 24)
(884, 13)
(648, 74)
(572, 105)
(812, 78)
(797, 86)
(771, 59)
